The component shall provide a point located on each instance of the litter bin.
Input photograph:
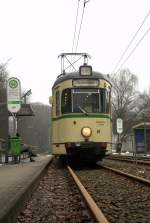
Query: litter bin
(15, 146)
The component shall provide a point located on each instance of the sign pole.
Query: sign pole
(13, 101)
(14, 124)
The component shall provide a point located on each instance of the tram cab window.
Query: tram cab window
(57, 103)
(66, 105)
(91, 100)
(86, 100)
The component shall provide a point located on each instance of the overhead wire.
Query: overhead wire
(138, 43)
(85, 2)
(75, 26)
(131, 41)
(75, 29)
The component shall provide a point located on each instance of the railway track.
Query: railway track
(139, 179)
(134, 168)
(96, 212)
(121, 199)
(61, 197)
(110, 197)
(56, 199)
(130, 159)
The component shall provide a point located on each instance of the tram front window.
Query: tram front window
(86, 101)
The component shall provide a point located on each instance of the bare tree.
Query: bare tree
(143, 106)
(3, 107)
(144, 100)
(124, 97)
(3, 79)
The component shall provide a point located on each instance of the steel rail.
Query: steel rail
(129, 157)
(96, 212)
(139, 179)
(144, 162)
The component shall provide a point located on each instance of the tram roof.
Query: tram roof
(76, 75)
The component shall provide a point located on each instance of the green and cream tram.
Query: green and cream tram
(81, 115)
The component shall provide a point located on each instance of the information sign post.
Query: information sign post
(119, 125)
(14, 98)
(119, 131)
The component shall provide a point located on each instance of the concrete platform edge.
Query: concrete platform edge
(18, 203)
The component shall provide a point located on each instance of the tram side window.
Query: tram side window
(108, 101)
(57, 103)
(66, 101)
(104, 101)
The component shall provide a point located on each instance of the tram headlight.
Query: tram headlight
(86, 131)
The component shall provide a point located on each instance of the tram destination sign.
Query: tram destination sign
(13, 95)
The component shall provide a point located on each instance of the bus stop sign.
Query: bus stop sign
(13, 95)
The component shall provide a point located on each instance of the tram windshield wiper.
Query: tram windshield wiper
(82, 109)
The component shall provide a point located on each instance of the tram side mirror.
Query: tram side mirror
(50, 100)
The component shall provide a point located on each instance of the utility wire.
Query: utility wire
(85, 1)
(131, 41)
(75, 26)
(138, 43)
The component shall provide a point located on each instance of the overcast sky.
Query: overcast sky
(35, 32)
